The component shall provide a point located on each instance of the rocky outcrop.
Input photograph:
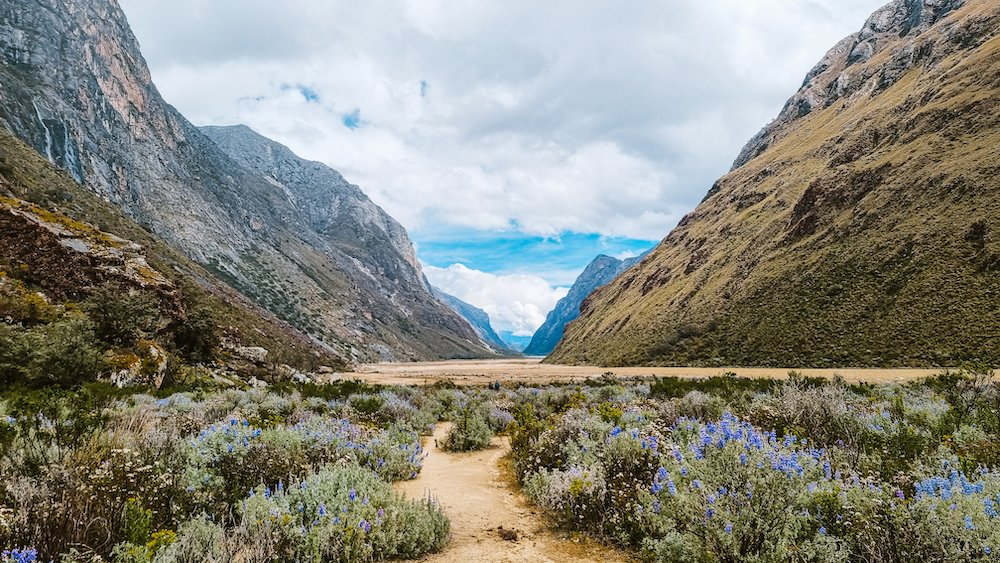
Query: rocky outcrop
(892, 32)
(68, 259)
(74, 85)
(599, 272)
(859, 231)
(478, 319)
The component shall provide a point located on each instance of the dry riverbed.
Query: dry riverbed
(531, 370)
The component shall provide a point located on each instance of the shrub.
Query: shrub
(199, 337)
(341, 514)
(469, 431)
(68, 355)
(18, 304)
(120, 315)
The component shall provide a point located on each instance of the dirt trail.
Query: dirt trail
(480, 500)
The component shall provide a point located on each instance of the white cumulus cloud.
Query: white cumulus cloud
(581, 116)
(516, 303)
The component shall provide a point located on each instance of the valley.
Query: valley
(531, 371)
(214, 349)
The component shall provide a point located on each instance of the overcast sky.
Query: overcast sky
(516, 138)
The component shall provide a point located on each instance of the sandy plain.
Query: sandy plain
(531, 370)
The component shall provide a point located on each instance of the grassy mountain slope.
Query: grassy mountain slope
(26, 178)
(861, 228)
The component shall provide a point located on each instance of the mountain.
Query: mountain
(289, 234)
(599, 272)
(860, 227)
(50, 241)
(515, 342)
(478, 319)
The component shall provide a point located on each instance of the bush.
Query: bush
(199, 337)
(69, 354)
(119, 315)
(18, 304)
(468, 432)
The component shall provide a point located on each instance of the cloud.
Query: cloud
(517, 303)
(533, 118)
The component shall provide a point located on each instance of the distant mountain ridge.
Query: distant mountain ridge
(599, 272)
(291, 235)
(479, 320)
(860, 228)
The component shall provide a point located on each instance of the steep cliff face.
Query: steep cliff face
(479, 320)
(599, 272)
(859, 228)
(74, 85)
(67, 241)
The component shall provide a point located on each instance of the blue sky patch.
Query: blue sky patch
(352, 120)
(556, 260)
(308, 93)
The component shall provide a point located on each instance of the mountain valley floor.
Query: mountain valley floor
(531, 370)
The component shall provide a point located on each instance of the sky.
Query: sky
(514, 140)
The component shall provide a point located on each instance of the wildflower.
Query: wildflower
(729, 528)
(353, 495)
(822, 530)
(322, 509)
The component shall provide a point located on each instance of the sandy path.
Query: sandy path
(479, 500)
(531, 370)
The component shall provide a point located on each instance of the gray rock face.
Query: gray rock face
(291, 235)
(479, 320)
(338, 211)
(600, 272)
(833, 78)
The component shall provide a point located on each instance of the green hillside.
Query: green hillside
(862, 232)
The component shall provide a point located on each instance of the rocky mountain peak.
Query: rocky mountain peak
(891, 31)
(599, 272)
(291, 235)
